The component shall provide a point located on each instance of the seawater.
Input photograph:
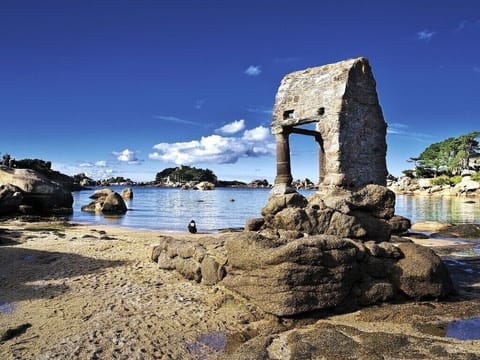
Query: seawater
(172, 209)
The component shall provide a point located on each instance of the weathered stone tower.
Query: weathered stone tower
(341, 100)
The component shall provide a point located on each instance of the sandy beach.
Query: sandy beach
(91, 292)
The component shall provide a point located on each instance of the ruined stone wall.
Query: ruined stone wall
(362, 130)
(341, 100)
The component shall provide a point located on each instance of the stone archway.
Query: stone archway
(284, 172)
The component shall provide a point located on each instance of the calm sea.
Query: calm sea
(172, 209)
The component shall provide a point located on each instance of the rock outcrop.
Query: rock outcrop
(106, 201)
(365, 213)
(29, 192)
(127, 194)
(324, 271)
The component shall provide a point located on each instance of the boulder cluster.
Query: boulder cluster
(108, 202)
(25, 191)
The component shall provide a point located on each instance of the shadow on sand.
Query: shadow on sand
(27, 274)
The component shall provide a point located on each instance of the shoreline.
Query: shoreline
(91, 291)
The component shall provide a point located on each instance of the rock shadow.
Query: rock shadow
(27, 274)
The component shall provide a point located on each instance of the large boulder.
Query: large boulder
(39, 194)
(303, 275)
(421, 273)
(106, 201)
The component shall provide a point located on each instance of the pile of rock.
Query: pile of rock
(25, 191)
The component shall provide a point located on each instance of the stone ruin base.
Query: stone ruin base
(330, 251)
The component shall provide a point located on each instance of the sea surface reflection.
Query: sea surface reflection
(172, 209)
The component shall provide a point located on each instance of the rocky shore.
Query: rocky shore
(427, 187)
(91, 292)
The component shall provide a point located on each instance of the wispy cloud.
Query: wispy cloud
(467, 24)
(199, 103)
(217, 149)
(93, 169)
(231, 128)
(425, 35)
(403, 130)
(253, 70)
(476, 69)
(259, 110)
(461, 25)
(127, 156)
(175, 119)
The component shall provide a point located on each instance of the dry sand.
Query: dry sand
(91, 292)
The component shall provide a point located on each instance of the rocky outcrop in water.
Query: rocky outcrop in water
(26, 191)
(127, 194)
(106, 201)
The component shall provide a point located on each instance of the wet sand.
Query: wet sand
(91, 292)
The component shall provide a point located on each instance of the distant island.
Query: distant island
(448, 167)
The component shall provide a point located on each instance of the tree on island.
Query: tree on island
(182, 174)
(449, 157)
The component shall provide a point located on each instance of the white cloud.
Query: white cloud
(253, 70)
(260, 133)
(232, 128)
(216, 148)
(126, 156)
(93, 169)
(425, 35)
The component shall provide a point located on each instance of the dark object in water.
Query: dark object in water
(192, 227)
(13, 332)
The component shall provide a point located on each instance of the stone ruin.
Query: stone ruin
(334, 250)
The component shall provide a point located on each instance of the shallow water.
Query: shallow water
(172, 209)
(468, 329)
(452, 209)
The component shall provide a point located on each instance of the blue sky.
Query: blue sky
(128, 88)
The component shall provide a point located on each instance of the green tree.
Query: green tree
(449, 156)
(185, 174)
